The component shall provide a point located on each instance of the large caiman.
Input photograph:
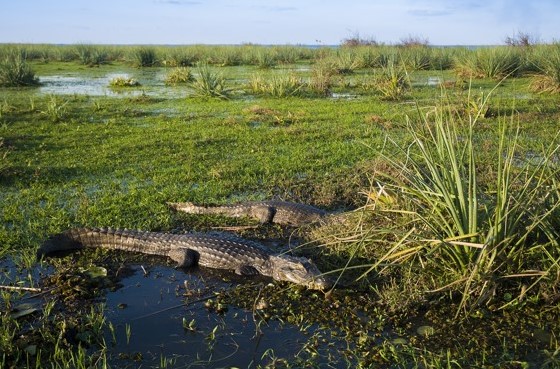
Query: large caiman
(221, 251)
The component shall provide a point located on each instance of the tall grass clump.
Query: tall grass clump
(144, 57)
(208, 83)
(15, 71)
(179, 75)
(391, 82)
(484, 239)
(547, 63)
(276, 85)
(91, 55)
(491, 62)
(323, 78)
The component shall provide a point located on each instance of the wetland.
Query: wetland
(446, 182)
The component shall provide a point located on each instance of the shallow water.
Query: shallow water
(151, 84)
(142, 304)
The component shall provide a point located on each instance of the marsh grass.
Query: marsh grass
(475, 239)
(179, 75)
(277, 85)
(91, 55)
(547, 63)
(434, 226)
(15, 71)
(491, 62)
(391, 82)
(209, 84)
(144, 57)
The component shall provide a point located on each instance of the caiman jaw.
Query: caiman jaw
(299, 271)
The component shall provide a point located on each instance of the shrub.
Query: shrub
(14, 71)
(179, 75)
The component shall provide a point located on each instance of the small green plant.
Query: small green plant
(14, 71)
(4, 163)
(209, 83)
(123, 81)
(55, 109)
(179, 75)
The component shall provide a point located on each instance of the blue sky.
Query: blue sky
(442, 22)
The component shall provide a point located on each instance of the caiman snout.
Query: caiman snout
(298, 270)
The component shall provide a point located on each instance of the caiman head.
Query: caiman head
(298, 270)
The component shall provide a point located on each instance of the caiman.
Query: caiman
(221, 251)
(279, 212)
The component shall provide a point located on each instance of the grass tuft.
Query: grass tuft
(276, 85)
(209, 83)
(15, 71)
(179, 75)
(548, 65)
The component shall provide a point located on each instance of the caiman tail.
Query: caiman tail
(117, 239)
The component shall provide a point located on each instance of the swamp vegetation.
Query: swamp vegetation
(442, 162)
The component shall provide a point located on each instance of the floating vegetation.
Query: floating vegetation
(122, 81)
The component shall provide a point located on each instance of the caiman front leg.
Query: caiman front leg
(185, 258)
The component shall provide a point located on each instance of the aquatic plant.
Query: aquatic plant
(276, 85)
(15, 71)
(179, 75)
(123, 81)
(209, 84)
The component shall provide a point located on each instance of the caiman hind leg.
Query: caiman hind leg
(185, 258)
(263, 213)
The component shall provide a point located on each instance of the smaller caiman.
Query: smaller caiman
(221, 251)
(272, 211)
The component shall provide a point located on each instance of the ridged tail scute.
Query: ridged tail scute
(60, 242)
